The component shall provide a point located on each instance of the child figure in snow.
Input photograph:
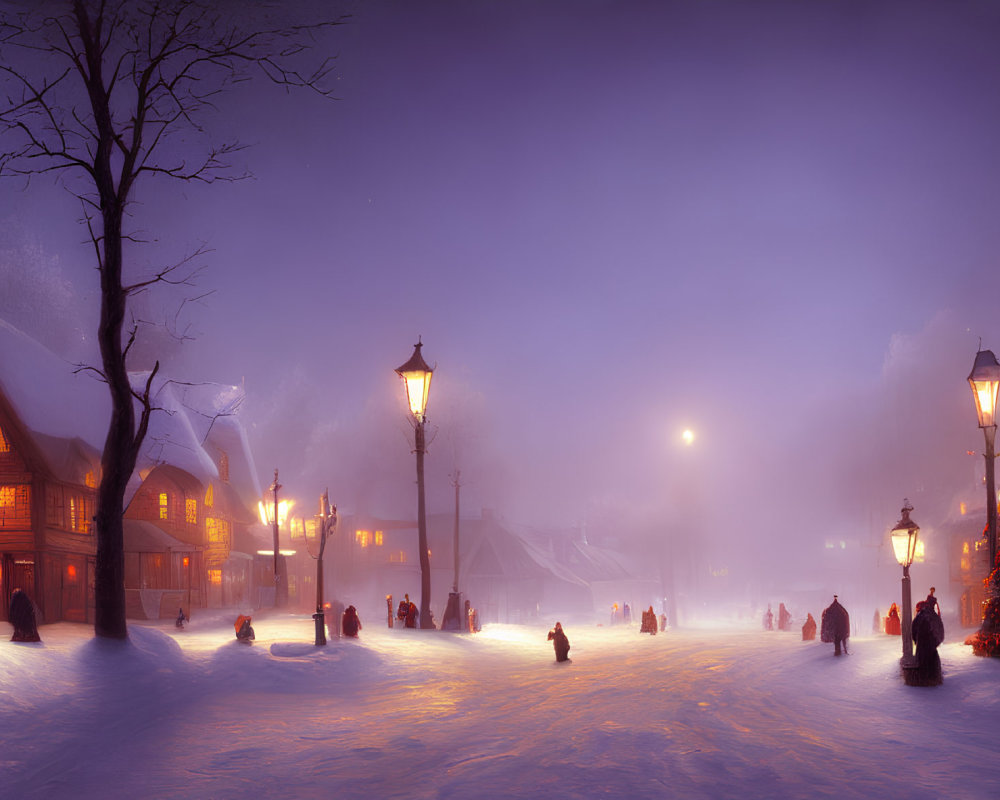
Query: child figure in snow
(559, 642)
(244, 633)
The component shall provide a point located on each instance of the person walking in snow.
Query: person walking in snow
(835, 626)
(560, 642)
(769, 619)
(932, 601)
(928, 632)
(809, 629)
(784, 617)
(350, 623)
(893, 627)
(648, 621)
(21, 616)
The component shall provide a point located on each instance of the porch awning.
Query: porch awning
(145, 537)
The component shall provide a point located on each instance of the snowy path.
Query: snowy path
(411, 714)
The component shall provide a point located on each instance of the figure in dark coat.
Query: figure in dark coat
(784, 618)
(932, 601)
(809, 629)
(835, 626)
(928, 633)
(22, 617)
(648, 621)
(350, 623)
(559, 642)
(411, 616)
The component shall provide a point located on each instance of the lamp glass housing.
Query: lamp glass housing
(985, 382)
(904, 544)
(416, 374)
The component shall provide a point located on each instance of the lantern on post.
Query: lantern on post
(416, 375)
(985, 382)
(904, 546)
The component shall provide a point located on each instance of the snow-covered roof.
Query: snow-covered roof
(51, 395)
(192, 423)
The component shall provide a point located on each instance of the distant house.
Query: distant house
(207, 550)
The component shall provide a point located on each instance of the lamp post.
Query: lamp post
(326, 521)
(416, 376)
(274, 515)
(904, 546)
(985, 381)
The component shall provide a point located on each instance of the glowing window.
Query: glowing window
(163, 505)
(378, 538)
(397, 557)
(363, 538)
(215, 576)
(191, 511)
(4, 444)
(6, 496)
(210, 497)
(71, 572)
(217, 530)
(90, 479)
(79, 514)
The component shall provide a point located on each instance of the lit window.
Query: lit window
(4, 444)
(961, 509)
(71, 572)
(397, 557)
(363, 538)
(6, 496)
(191, 511)
(90, 480)
(80, 512)
(163, 505)
(378, 538)
(215, 576)
(217, 530)
(209, 497)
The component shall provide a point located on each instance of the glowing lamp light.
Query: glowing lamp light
(904, 537)
(266, 510)
(985, 381)
(417, 377)
(688, 436)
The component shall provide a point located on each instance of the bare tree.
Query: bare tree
(94, 92)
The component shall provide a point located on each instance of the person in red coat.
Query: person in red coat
(809, 629)
(350, 623)
(892, 624)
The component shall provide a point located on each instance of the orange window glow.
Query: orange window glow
(163, 505)
(191, 511)
(71, 572)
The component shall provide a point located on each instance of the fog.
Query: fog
(772, 224)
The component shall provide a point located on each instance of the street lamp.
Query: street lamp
(904, 546)
(416, 376)
(274, 515)
(985, 381)
(324, 525)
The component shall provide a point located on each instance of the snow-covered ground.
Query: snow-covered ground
(426, 714)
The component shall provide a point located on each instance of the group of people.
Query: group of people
(784, 618)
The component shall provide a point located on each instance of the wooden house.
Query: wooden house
(47, 502)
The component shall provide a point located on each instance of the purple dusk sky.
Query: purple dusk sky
(771, 222)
